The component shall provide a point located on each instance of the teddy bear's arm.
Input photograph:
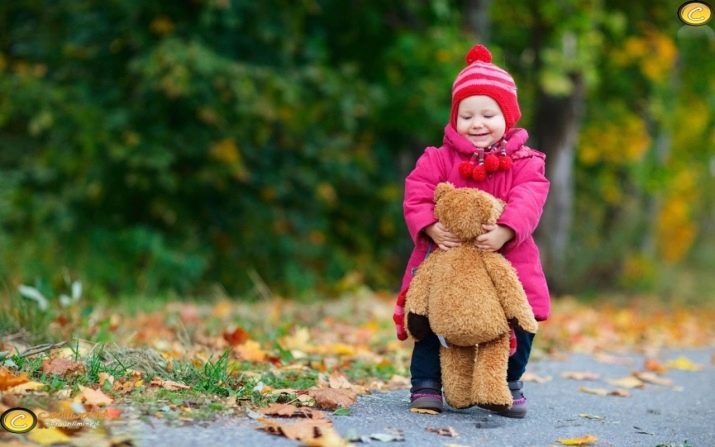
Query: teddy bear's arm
(511, 292)
(416, 302)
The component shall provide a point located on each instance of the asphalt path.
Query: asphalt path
(681, 415)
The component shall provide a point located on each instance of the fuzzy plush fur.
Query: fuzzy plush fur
(469, 297)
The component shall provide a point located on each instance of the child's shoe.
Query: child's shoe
(426, 398)
(518, 406)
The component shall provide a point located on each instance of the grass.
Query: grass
(185, 342)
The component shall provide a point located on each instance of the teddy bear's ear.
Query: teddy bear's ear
(442, 189)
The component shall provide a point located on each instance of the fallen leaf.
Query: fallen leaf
(105, 377)
(25, 387)
(299, 430)
(331, 399)
(684, 364)
(290, 411)
(90, 396)
(339, 381)
(168, 384)
(62, 367)
(424, 411)
(650, 377)
(610, 359)
(531, 377)
(328, 438)
(251, 351)
(443, 431)
(236, 337)
(583, 440)
(627, 382)
(9, 380)
(640, 431)
(604, 392)
(580, 375)
(395, 436)
(48, 436)
(299, 341)
(619, 393)
(591, 416)
(654, 365)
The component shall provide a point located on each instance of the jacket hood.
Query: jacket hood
(515, 139)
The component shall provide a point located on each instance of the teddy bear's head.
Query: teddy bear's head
(463, 211)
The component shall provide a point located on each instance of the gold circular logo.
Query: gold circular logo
(18, 420)
(695, 13)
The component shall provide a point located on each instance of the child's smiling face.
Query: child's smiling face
(480, 120)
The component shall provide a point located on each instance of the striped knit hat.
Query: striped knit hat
(481, 77)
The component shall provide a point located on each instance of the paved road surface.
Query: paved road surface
(652, 416)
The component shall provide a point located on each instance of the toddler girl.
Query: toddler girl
(481, 149)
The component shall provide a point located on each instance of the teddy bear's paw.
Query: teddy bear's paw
(418, 325)
(530, 325)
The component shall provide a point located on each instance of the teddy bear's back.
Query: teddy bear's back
(462, 285)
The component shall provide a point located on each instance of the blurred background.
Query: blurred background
(260, 147)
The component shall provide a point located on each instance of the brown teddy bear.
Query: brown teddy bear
(469, 297)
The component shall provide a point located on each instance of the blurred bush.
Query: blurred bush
(154, 146)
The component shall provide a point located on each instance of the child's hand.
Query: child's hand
(442, 237)
(494, 238)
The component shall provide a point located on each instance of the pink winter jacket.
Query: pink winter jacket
(524, 189)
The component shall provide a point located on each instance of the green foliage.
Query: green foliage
(151, 146)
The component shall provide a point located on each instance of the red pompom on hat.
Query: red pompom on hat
(481, 77)
(478, 53)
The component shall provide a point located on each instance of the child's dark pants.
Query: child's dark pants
(424, 367)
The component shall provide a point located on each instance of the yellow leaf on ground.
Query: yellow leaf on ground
(329, 438)
(684, 363)
(9, 380)
(48, 436)
(583, 440)
(25, 387)
(340, 349)
(93, 397)
(299, 341)
(251, 351)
